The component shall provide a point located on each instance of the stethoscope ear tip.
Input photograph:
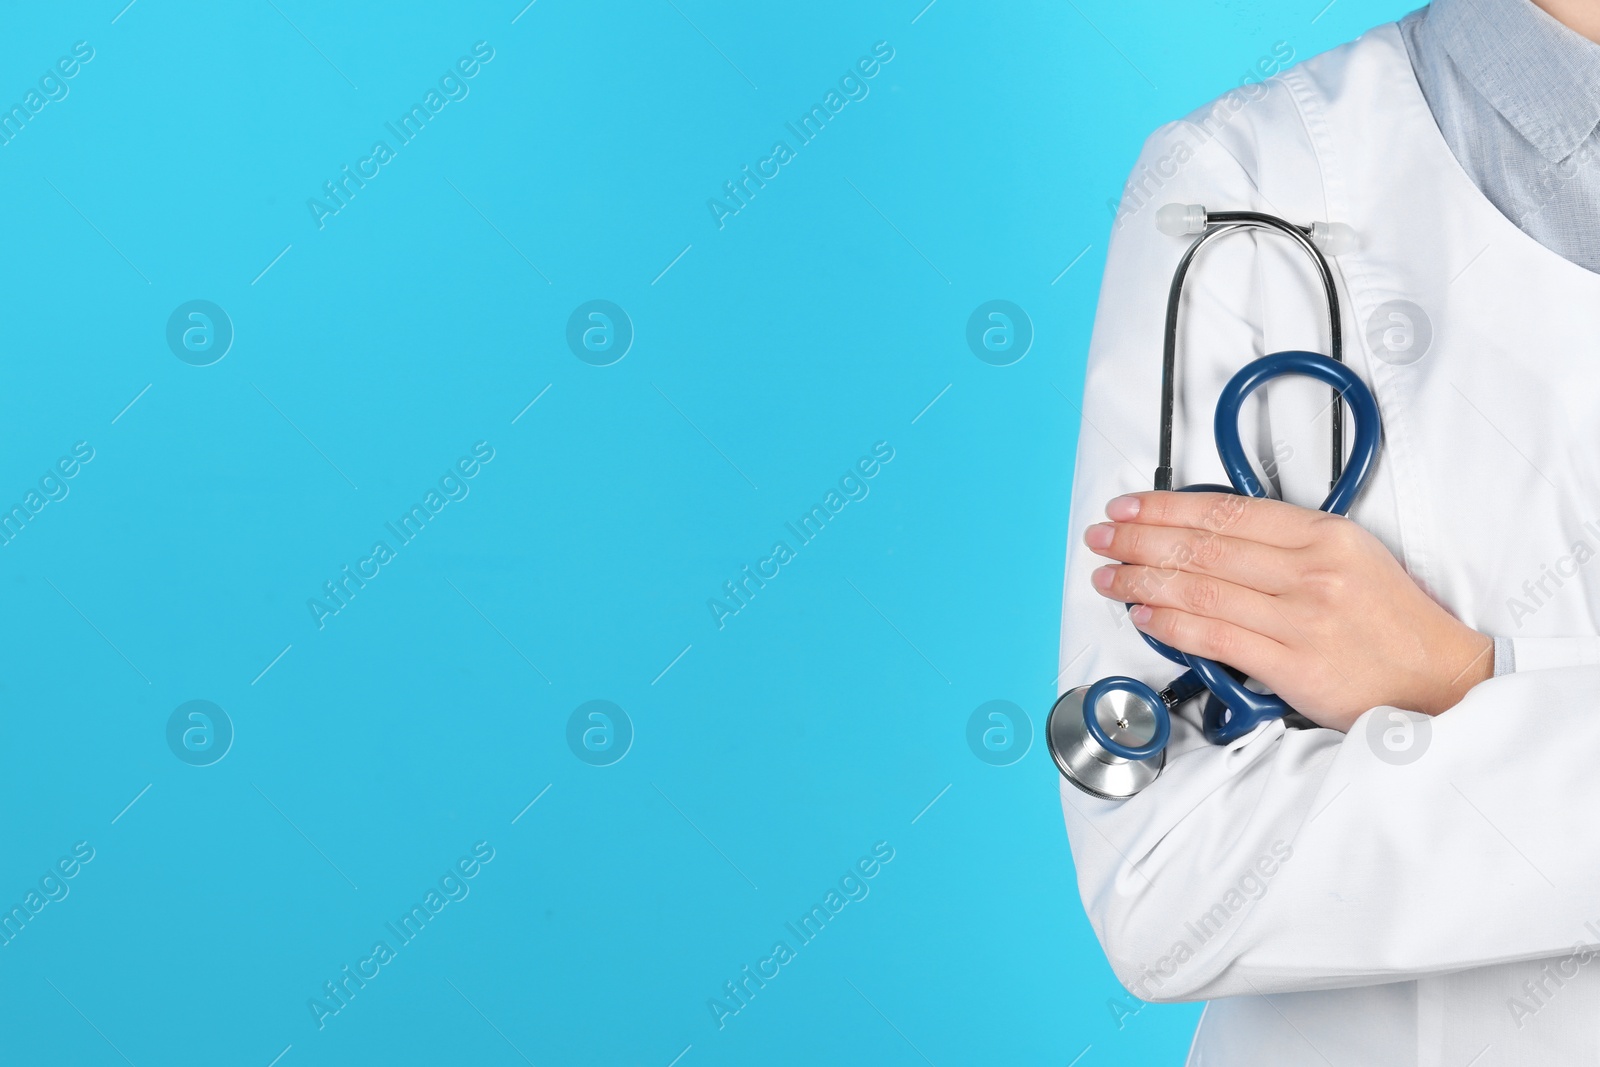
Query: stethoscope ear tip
(1181, 220)
(1333, 238)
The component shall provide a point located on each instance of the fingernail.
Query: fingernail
(1098, 535)
(1123, 508)
(1102, 577)
(1140, 614)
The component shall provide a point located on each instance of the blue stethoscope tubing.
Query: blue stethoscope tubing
(1233, 710)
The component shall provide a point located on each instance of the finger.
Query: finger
(1270, 522)
(1166, 548)
(1196, 594)
(1254, 654)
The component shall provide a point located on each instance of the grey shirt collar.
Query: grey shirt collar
(1541, 76)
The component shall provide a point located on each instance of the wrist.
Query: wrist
(1470, 661)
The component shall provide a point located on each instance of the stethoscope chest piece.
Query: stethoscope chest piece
(1125, 718)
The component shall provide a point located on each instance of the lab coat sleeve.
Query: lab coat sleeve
(1543, 653)
(1303, 859)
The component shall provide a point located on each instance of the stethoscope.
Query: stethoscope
(1110, 738)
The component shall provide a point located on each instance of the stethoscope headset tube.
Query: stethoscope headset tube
(1219, 224)
(1083, 748)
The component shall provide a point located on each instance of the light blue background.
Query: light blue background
(370, 354)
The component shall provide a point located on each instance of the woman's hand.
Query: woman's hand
(1307, 603)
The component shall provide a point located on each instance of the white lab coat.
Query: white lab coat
(1336, 907)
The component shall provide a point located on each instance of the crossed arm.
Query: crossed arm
(1308, 603)
(1320, 611)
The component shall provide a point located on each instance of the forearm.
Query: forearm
(1460, 856)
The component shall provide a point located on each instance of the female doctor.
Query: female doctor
(1389, 887)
